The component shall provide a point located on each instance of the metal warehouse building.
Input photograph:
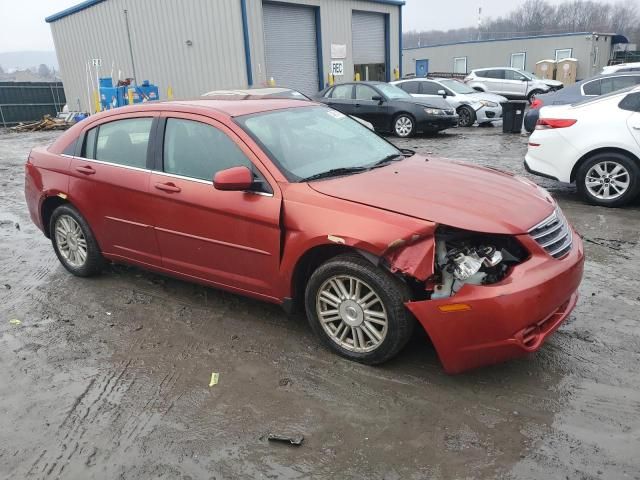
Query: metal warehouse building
(195, 46)
(592, 50)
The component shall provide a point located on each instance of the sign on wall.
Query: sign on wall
(338, 50)
(337, 67)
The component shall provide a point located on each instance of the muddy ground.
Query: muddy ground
(108, 377)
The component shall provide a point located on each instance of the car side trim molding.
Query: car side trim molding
(102, 162)
(206, 182)
(217, 242)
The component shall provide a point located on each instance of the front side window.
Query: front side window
(631, 102)
(124, 142)
(430, 88)
(392, 92)
(198, 150)
(513, 75)
(342, 92)
(308, 141)
(458, 87)
(364, 92)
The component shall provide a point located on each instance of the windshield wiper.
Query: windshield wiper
(388, 159)
(334, 172)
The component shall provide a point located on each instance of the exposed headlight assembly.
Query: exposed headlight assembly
(434, 111)
(466, 257)
(487, 103)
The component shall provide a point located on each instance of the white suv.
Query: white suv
(510, 82)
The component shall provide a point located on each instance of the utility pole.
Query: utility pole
(479, 21)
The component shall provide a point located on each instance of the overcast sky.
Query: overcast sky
(22, 25)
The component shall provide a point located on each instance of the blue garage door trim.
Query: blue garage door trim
(400, 40)
(319, 49)
(247, 45)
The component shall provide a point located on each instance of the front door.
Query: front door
(109, 184)
(422, 68)
(230, 238)
(373, 111)
(515, 84)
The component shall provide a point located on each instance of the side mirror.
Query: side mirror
(233, 179)
(523, 79)
(443, 93)
(377, 98)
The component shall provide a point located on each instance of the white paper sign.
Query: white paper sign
(337, 67)
(338, 50)
(96, 62)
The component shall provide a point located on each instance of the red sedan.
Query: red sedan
(297, 204)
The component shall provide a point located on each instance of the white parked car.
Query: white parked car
(595, 143)
(621, 67)
(472, 106)
(510, 82)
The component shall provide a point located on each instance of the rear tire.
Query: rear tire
(357, 310)
(74, 242)
(467, 116)
(608, 179)
(404, 125)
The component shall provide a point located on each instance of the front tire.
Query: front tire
(532, 96)
(608, 179)
(357, 309)
(74, 243)
(404, 125)
(467, 116)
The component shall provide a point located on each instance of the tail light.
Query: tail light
(537, 103)
(549, 123)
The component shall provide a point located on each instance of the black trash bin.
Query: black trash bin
(512, 116)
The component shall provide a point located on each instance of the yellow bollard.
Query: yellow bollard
(170, 93)
(96, 101)
(396, 73)
(331, 80)
(357, 76)
(130, 96)
(272, 82)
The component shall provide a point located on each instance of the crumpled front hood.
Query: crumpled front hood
(447, 192)
(491, 97)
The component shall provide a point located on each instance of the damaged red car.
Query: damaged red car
(297, 204)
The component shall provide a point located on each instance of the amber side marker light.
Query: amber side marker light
(454, 307)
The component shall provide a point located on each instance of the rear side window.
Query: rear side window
(342, 92)
(591, 88)
(198, 150)
(631, 102)
(492, 74)
(124, 142)
(410, 87)
(616, 83)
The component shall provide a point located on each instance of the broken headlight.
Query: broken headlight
(466, 257)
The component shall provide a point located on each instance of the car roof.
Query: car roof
(232, 108)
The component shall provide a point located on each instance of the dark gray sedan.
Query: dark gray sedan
(592, 87)
(389, 108)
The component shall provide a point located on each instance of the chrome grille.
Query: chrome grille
(553, 234)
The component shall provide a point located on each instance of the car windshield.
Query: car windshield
(392, 92)
(309, 141)
(457, 87)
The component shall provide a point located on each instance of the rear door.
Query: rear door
(109, 184)
(631, 103)
(493, 80)
(229, 238)
(341, 98)
(373, 111)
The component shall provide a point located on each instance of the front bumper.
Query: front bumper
(509, 319)
(435, 123)
(488, 114)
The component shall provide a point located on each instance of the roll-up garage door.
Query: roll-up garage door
(368, 37)
(290, 45)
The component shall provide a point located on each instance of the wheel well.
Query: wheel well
(307, 264)
(587, 156)
(48, 206)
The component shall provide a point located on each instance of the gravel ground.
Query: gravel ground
(108, 377)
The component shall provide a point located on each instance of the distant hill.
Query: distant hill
(26, 59)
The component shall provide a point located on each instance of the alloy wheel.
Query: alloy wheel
(71, 241)
(351, 313)
(607, 180)
(404, 126)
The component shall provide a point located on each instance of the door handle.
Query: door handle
(86, 169)
(636, 127)
(168, 187)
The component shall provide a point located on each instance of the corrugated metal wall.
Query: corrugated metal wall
(216, 58)
(368, 37)
(159, 32)
(498, 53)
